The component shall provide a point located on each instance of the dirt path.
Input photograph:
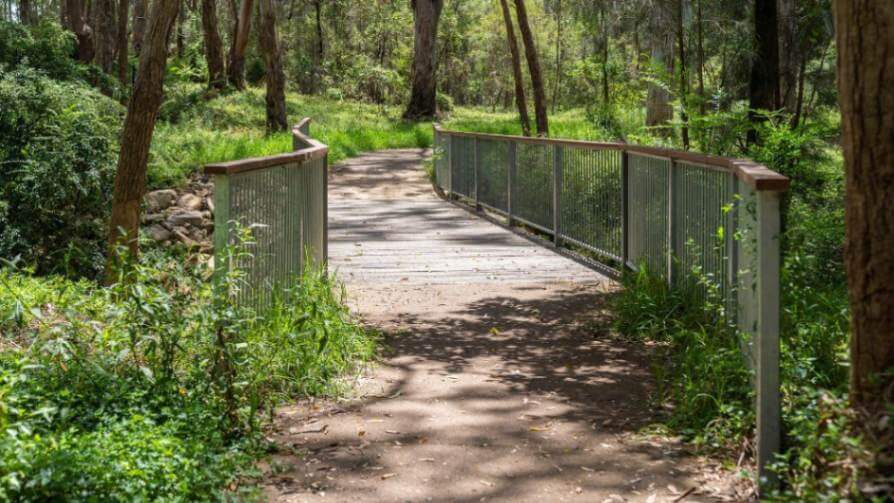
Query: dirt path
(501, 381)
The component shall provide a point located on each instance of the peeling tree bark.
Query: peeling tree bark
(130, 180)
(423, 97)
(865, 41)
(517, 76)
(236, 64)
(533, 68)
(76, 21)
(276, 80)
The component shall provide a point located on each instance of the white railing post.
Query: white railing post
(768, 262)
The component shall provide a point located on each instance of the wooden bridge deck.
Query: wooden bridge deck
(388, 226)
(498, 380)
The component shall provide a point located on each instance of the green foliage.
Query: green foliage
(154, 388)
(233, 127)
(704, 383)
(58, 145)
(45, 46)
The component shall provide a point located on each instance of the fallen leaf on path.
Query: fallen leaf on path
(488, 484)
(427, 460)
(683, 496)
(386, 476)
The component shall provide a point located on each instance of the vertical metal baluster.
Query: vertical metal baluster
(557, 197)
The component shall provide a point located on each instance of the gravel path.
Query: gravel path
(500, 381)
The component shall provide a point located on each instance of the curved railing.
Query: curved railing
(681, 214)
(282, 200)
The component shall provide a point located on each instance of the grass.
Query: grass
(233, 127)
(156, 387)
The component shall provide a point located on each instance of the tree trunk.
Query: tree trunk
(130, 180)
(106, 37)
(702, 99)
(318, 52)
(423, 98)
(139, 24)
(123, 6)
(533, 68)
(181, 34)
(517, 76)
(790, 54)
(76, 21)
(604, 42)
(763, 88)
(865, 42)
(658, 108)
(558, 78)
(236, 66)
(213, 46)
(276, 80)
(26, 12)
(684, 82)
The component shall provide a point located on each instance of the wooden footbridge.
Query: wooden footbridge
(511, 215)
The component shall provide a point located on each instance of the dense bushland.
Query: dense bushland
(155, 387)
(58, 146)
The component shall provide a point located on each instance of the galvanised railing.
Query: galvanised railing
(282, 201)
(686, 216)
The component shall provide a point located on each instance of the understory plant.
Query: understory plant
(156, 387)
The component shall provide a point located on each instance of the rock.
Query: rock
(181, 234)
(158, 200)
(158, 233)
(209, 203)
(190, 202)
(181, 218)
(152, 218)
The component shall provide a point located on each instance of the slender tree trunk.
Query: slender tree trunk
(702, 99)
(557, 80)
(276, 80)
(799, 100)
(123, 13)
(130, 180)
(139, 24)
(26, 12)
(236, 66)
(763, 88)
(604, 42)
(790, 54)
(517, 76)
(213, 46)
(423, 98)
(658, 108)
(105, 38)
(684, 82)
(318, 52)
(181, 34)
(865, 40)
(76, 21)
(533, 69)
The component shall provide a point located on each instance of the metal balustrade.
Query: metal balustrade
(282, 201)
(710, 221)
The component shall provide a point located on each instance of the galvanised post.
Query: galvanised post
(476, 175)
(512, 166)
(557, 194)
(625, 215)
(671, 225)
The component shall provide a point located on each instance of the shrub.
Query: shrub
(444, 102)
(46, 46)
(57, 151)
(153, 388)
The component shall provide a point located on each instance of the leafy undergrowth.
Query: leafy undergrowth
(194, 131)
(830, 451)
(156, 388)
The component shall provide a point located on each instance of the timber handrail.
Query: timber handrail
(757, 176)
(306, 148)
